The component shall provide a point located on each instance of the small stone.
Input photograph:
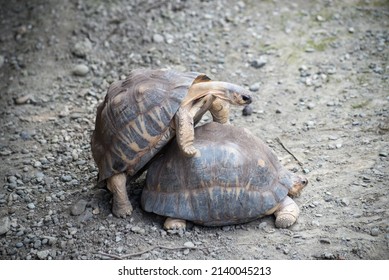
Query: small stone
(383, 154)
(1, 61)
(325, 241)
(345, 201)
(66, 178)
(262, 225)
(81, 49)
(79, 207)
(80, 70)
(259, 62)
(158, 38)
(331, 70)
(5, 225)
(189, 244)
(339, 145)
(320, 18)
(351, 30)
(137, 229)
(247, 110)
(42, 255)
(310, 106)
(375, 231)
(315, 223)
(226, 228)
(75, 155)
(19, 245)
(255, 87)
(31, 206)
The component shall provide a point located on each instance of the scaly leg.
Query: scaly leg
(171, 223)
(220, 110)
(185, 131)
(287, 213)
(121, 206)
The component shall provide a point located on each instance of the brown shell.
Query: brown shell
(235, 179)
(133, 122)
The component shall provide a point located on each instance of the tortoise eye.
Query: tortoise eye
(246, 98)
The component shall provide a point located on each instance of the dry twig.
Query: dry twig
(289, 152)
(118, 257)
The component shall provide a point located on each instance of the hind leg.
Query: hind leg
(121, 206)
(171, 223)
(287, 213)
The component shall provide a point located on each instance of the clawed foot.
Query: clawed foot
(122, 210)
(189, 151)
(285, 220)
(171, 223)
(287, 213)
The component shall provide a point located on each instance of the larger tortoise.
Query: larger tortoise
(143, 112)
(235, 178)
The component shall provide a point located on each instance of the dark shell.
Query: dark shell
(133, 122)
(237, 178)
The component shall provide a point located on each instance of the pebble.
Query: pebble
(259, 62)
(255, 87)
(66, 178)
(1, 60)
(247, 110)
(31, 206)
(375, 231)
(137, 229)
(189, 244)
(42, 255)
(5, 225)
(345, 201)
(383, 154)
(310, 106)
(82, 48)
(158, 38)
(80, 70)
(79, 207)
(325, 241)
(75, 155)
(23, 99)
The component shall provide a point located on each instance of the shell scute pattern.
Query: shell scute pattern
(225, 184)
(133, 122)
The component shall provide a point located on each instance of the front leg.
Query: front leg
(185, 131)
(287, 213)
(220, 111)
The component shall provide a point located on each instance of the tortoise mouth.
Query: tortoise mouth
(300, 183)
(242, 99)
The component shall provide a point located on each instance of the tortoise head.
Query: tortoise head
(298, 184)
(231, 93)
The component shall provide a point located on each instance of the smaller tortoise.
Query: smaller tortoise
(235, 178)
(143, 112)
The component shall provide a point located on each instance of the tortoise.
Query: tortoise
(235, 178)
(143, 112)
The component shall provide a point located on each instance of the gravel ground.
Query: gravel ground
(319, 74)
